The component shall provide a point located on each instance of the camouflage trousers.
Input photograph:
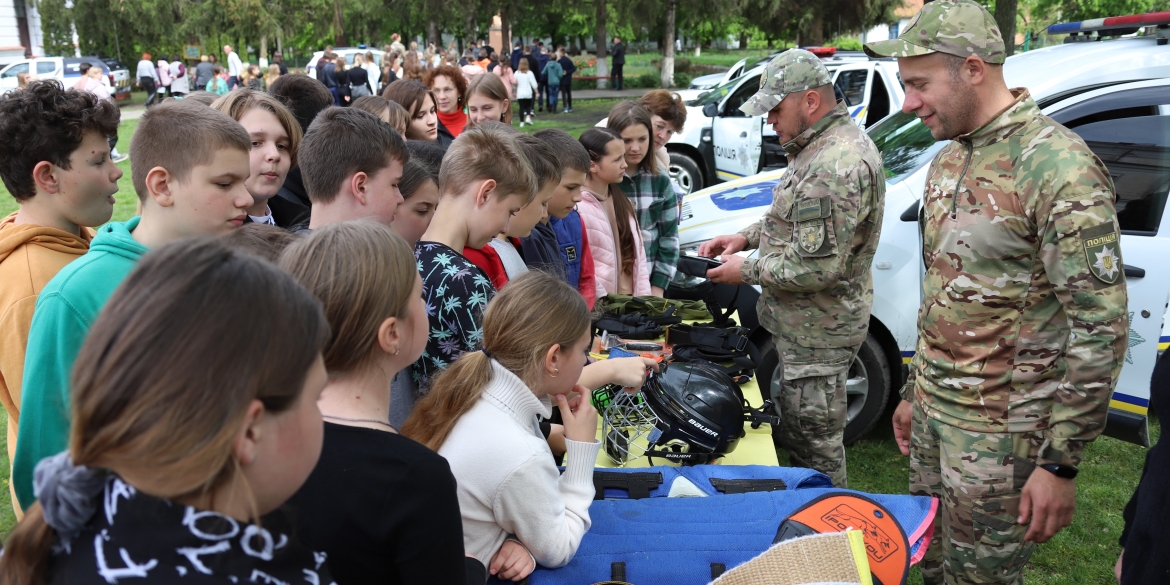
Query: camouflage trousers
(978, 478)
(813, 413)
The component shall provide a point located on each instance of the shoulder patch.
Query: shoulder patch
(1103, 252)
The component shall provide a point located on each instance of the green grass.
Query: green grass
(585, 114)
(125, 201)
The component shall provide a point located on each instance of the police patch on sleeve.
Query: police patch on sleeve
(1103, 252)
(811, 235)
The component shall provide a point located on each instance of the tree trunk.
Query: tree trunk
(433, 33)
(339, 39)
(743, 40)
(816, 31)
(599, 38)
(668, 50)
(469, 26)
(1005, 17)
(505, 35)
(262, 58)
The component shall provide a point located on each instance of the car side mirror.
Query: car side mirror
(711, 110)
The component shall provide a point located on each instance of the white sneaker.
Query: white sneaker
(118, 157)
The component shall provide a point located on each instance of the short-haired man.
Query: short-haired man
(190, 164)
(235, 66)
(1023, 325)
(616, 76)
(351, 163)
(816, 246)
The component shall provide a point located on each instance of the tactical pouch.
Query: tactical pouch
(713, 344)
(653, 306)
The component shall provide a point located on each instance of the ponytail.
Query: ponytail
(534, 312)
(452, 394)
(26, 554)
(624, 208)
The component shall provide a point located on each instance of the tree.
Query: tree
(1005, 18)
(56, 27)
(668, 49)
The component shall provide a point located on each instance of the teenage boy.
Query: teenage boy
(55, 161)
(352, 162)
(566, 224)
(485, 180)
(506, 257)
(190, 164)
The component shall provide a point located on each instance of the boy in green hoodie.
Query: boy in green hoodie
(190, 163)
(55, 161)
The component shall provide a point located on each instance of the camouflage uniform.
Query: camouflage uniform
(1023, 325)
(816, 246)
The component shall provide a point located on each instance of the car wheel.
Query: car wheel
(866, 389)
(685, 171)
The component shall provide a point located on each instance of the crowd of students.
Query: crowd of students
(166, 377)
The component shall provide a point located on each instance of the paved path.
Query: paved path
(608, 94)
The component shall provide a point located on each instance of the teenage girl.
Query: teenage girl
(380, 505)
(482, 417)
(619, 259)
(276, 136)
(526, 88)
(655, 201)
(419, 102)
(487, 99)
(387, 111)
(194, 407)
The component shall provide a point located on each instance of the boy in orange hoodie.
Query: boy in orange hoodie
(55, 160)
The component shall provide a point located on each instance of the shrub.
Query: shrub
(682, 80)
(644, 81)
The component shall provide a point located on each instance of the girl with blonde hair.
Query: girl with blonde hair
(481, 415)
(381, 506)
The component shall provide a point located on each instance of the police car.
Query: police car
(1116, 95)
(721, 143)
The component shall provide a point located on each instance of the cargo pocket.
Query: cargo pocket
(1000, 550)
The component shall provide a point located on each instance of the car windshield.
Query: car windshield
(905, 143)
(717, 93)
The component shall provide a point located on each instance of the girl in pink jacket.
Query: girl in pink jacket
(615, 240)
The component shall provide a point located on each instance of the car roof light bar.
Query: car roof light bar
(1131, 22)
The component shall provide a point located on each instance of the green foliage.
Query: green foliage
(849, 43)
(644, 81)
(682, 80)
(56, 26)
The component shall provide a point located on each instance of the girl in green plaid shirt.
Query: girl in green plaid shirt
(655, 201)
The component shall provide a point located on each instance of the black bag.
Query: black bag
(716, 344)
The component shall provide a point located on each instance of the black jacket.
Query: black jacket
(1146, 537)
(619, 54)
(291, 204)
(359, 77)
(542, 252)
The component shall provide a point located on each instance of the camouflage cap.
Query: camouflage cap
(955, 27)
(791, 71)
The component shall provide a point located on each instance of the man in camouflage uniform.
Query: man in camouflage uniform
(1023, 325)
(816, 245)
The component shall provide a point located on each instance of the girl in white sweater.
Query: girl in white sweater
(481, 415)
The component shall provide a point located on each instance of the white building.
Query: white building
(20, 31)
(891, 30)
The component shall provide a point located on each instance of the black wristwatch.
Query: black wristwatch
(1061, 471)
